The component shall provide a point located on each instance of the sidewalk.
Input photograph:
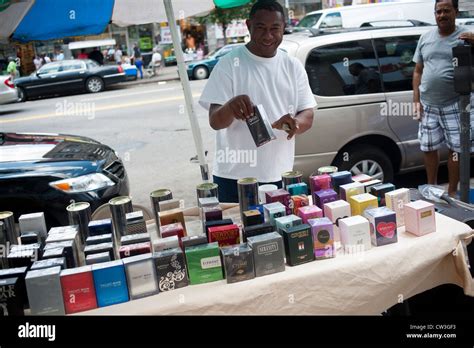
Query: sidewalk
(168, 73)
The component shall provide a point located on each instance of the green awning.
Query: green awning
(230, 3)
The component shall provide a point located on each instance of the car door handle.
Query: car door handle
(82, 72)
(53, 76)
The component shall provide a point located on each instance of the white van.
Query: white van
(355, 16)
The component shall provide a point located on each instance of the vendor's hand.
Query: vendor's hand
(288, 124)
(241, 107)
(469, 37)
(418, 111)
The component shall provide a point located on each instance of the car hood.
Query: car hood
(50, 154)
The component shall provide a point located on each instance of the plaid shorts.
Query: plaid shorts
(442, 125)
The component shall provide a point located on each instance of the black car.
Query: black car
(69, 76)
(45, 173)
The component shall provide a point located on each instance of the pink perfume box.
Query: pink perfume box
(419, 218)
(320, 182)
(309, 212)
(361, 178)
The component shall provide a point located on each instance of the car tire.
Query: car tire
(94, 84)
(201, 73)
(366, 159)
(22, 95)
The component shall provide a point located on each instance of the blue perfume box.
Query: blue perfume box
(98, 227)
(110, 283)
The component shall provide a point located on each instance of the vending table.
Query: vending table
(364, 284)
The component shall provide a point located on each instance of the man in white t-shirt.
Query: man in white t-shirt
(254, 74)
(156, 61)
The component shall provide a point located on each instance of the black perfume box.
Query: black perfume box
(135, 223)
(257, 230)
(19, 273)
(99, 239)
(238, 263)
(170, 269)
(259, 127)
(135, 238)
(29, 238)
(268, 253)
(189, 241)
(252, 217)
(299, 246)
(24, 255)
(100, 248)
(98, 227)
(70, 252)
(11, 300)
(59, 261)
(215, 223)
(98, 258)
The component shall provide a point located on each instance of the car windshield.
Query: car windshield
(309, 21)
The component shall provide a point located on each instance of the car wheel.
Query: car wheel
(366, 159)
(22, 95)
(201, 73)
(94, 84)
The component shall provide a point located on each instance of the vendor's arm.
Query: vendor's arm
(416, 90)
(222, 116)
(295, 125)
(469, 37)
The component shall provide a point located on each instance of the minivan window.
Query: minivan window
(347, 68)
(396, 62)
(332, 20)
(309, 21)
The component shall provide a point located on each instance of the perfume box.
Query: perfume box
(361, 178)
(259, 127)
(309, 212)
(170, 269)
(279, 195)
(273, 211)
(204, 263)
(383, 225)
(324, 196)
(340, 178)
(30, 238)
(110, 283)
(134, 225)
(23, 257)
(44, 291)
(238, 263)
(298, 244)
(98, 227)
(42, 264)
(141, 276)
(369, 184)
(286, 222)
(379, 191)
(20, 273)
(396, 201)
(258, 207)
(208, 224)
(298, 202)
(212, 202)
(33, 222)
(175, 229)
(211, 213)
(224, 235)
(320, 182)
(99, 239)
(252, 217)
(100, 248)
(78, 289)
(297, 189)
(134, 249)
(268, 253)
(98, 258)
(337, 210)
(11, 300)
(165, 243)
(348, 190)
(169, 204)
(361, 202)
(171, 217)
(135, 238)
(322, 230)
(355, 234)
(193, 240)
(257, 230)
(420, 218)
(68, 251)
(68, 233)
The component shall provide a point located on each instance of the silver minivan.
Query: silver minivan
(362, 82)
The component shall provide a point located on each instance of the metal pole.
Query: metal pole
(183, 75)
(464, 169)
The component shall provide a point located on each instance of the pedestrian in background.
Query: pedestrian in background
(118, 55)
(137, 59)
(97, 56)
(38, 62)
(156, 61)
(436, 101)
(83, 54)
(11, 68)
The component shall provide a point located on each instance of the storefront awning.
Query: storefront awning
(91, 43)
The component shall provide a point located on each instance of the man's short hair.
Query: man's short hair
(454, 2)
(269, 5)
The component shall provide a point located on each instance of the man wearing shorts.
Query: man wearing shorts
(436, 102)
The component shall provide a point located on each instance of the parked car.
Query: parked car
(8, 92)
(46, 172)
(69, 76)
(362, 125)
(201, 69)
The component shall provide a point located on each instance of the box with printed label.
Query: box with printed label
(298, 244)
(238, 263)
(286, 222)
(224, 235)
(355, 234)
(141, 276)
(359, 203)
(320, 182)
(396, 201)
(279, 195)
(298, 202)
(257, 230)
(44, 291)
(369, 184)
(324, 196)
(78, 289)
(310, 212)
(171, 217)
(340, 178)
(322, 230)
(98, 227)
(252, 217)
(297, 189)
(165, 243)
(348, 190)
(204, 263)
(268, 253)
(110, 283)
(379, 191)
(274, 211)
(134, 249)
(11, 297)
(383, 225)
(171, 269)
(420, 218)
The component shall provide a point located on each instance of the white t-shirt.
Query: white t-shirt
(156, 58)
(281, 85)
